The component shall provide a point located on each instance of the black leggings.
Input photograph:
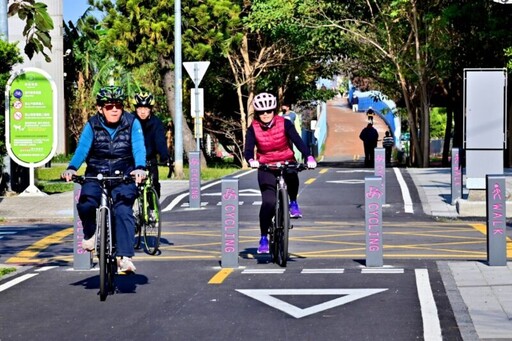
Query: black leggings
(267, 182)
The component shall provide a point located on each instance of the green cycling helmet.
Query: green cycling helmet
(110, 94)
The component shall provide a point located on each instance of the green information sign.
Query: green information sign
(31, 120)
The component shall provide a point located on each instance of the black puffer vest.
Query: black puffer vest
(110, 154)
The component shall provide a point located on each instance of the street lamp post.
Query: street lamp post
(178, 115)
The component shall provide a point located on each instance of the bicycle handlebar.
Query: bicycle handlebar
(283, 165)
(100, 177)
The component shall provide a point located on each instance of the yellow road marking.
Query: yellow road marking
(310, 181)
(483, 229)
(33, 250)
(323, 171)
(220, 276)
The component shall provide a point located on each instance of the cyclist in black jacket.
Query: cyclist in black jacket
(154, 134)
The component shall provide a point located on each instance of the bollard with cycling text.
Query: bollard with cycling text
(373, 220)
(230, 233)
(380, 169)
(81, 258)
(194, 162)
(456, 176)
(496, 220)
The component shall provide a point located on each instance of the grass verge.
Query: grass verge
(5, 271)
(49, 181)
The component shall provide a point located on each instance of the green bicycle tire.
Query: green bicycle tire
(152, 229)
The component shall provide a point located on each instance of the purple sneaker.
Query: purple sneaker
(295, 210)
(263, 245)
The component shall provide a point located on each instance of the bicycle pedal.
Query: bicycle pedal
(291, 227)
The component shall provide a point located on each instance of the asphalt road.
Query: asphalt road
(325, 293)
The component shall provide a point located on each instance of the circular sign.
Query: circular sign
(17, 104)
(18, 115)
(17, 93)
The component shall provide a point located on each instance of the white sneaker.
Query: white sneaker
(89, 244)
(126, 265)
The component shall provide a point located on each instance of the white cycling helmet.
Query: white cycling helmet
(264, 101)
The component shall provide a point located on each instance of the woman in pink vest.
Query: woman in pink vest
(272, 135)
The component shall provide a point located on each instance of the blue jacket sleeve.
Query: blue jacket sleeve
(82, 149)
(138, 147)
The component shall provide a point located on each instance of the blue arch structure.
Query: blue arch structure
(383, 106)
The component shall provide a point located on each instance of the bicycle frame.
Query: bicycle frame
(105, 237)
(149, 226)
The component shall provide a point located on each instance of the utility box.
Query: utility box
(485, 107)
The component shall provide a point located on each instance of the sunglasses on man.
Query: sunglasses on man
(111, 106)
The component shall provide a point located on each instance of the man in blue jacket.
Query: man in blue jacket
(111, 141)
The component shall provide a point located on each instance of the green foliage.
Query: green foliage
(6, 270)
(437, 122)
(38, 25)
(9, 56)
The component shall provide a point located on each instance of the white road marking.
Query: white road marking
(263, 271)
(350, 182)
(381, 271)
(408, 208)
(348, 295)
(322, 271)
(431, 324)
(15, 281)
(183, 195)
(45, 268)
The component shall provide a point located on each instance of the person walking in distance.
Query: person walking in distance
(370, 113)
(111, 141)
(154, 135)
(388, 142)
(369, 136)
(272, 136)
(288, 113)
(355, 103)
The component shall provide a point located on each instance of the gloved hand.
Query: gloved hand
(254, 163)
(311, 162)
(68, 174)
(139, 175)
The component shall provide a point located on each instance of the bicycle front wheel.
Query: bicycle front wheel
(153, 225)
(104, 267)
(283, 228)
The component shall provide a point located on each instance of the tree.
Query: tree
(398, 40)
(141, 31)
(38, 25)
(9, 56)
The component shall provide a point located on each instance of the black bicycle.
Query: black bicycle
(280, 229)
(105, 233)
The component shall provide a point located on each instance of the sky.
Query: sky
(74, 9)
